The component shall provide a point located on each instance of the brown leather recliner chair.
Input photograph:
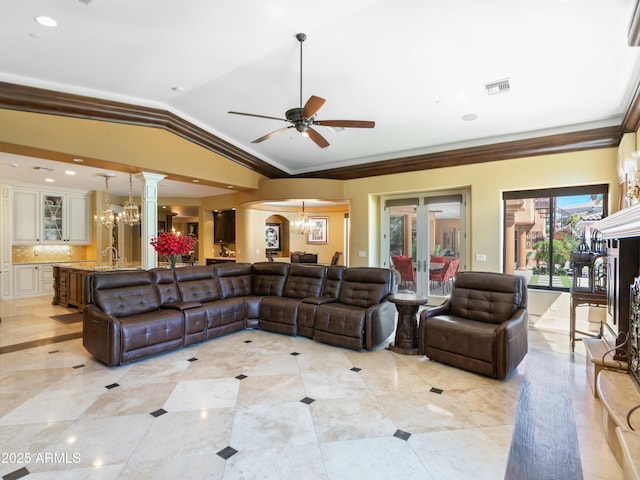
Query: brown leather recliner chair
(482, 327)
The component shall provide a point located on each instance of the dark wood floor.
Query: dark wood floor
(545, 440)
(40, 342)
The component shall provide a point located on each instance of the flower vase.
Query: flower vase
(172, 261)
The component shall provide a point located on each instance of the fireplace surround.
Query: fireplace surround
(621, 231)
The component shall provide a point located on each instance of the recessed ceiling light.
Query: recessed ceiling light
(78, 160)
(70, 172)
(469, 117)
(229, 186)
(46, 21)
(177, 89)
(50, 180)
(195, 180)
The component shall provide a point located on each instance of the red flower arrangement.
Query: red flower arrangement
(173, 244)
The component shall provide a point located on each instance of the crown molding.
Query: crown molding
(37, 100)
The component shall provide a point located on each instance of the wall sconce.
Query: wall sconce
(631, 179)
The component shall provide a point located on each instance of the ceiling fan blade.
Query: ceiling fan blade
(317, 138)
(345, 123)
(312, 106)
(272, 134)
(259, 116)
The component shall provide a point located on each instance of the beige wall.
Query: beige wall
(157, 150)
(145, 148)
(486, 183)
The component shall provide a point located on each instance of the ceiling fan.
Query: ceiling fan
(303, 117)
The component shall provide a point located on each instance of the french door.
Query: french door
(421, 227)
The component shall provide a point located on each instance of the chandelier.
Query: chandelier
(107, 217)
(301, 225)
(130, 214)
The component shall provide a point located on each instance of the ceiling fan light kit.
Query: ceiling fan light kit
(303, 117)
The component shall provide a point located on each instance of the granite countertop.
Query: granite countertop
(58, 262)
(96, 267)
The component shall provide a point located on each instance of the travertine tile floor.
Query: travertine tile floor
(255, 404)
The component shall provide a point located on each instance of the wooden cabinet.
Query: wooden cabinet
(32, 280)
(76, 288)
(45, 279)
(25, 280)
(69, 286)
(54, 218)
(224, 226)
(26, 217)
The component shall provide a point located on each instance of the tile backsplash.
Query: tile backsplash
(49, 253)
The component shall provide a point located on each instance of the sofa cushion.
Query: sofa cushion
(333, 281)
(141, 330)
(165, 284)
(197, 284)
(486, 297)
(235, 279)
(269, 278)
(279, 314)
(463, 337)
(340, 324)
(122, 294)
(304, 281)
(365, 286)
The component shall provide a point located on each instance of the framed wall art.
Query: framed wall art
(319, 231)
(272, 240)
(192, 229)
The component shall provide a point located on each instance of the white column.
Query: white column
(149, 217)
(6, 240)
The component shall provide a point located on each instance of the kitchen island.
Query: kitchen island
(69, 279)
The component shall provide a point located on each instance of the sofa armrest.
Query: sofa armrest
(180, 305)
(380, 322)
(319, 300)
(512, 343)
(101, 335)
(444, 309)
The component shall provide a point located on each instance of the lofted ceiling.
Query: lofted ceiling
(418, 68)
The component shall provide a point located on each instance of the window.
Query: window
(543, 227)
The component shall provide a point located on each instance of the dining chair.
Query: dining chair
(404, 266)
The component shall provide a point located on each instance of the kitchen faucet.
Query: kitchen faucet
(115, 257)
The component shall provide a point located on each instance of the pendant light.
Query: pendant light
(131, 213)
(107, 217)
(301, 225)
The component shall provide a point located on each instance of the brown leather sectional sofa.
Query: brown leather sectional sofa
(132, 315)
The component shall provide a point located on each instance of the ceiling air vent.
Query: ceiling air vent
(501, 86)
(86, 2)
(43, 169)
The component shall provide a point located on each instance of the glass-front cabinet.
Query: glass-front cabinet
(53, 213)
(47, 217)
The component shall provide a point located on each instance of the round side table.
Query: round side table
(407, 304)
